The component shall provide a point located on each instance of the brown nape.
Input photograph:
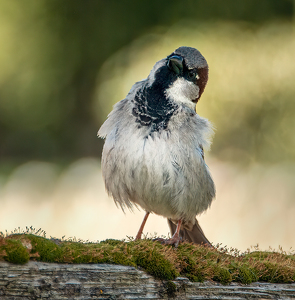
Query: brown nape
(202, 81)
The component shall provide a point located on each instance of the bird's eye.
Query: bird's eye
(193, 75)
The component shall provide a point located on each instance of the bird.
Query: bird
(153, 154)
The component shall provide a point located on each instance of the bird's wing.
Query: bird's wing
(121, 111)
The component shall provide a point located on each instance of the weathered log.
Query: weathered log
(37, 280)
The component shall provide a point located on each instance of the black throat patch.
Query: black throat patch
(152, 108)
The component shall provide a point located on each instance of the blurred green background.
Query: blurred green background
(63, 64)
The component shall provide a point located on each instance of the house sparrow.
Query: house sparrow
(153, 153)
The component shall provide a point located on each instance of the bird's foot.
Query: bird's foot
(174, 241)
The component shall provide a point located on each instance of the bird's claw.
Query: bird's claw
(174, 241)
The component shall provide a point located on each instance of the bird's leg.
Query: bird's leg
(139, 233)
(175, 239)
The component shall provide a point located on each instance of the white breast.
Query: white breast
(162, 172)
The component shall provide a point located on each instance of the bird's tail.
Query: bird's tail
(196, 235)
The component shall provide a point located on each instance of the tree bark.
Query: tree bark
(36, 280)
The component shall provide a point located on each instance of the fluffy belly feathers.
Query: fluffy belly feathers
(161, 175)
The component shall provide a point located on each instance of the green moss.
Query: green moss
(196, 262)
(48, 250)
(222, 275)
(258, 255)
(119, 258)
(117, 253)
(112, 242)
(192, 270)
(150, 256)
(16, 253)
(275, 273)
(76, 252)
(246, 275)
(156, 264)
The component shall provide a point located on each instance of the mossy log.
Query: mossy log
(34, 267)
(38, 280)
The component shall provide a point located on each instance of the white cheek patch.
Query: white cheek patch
(183, 91)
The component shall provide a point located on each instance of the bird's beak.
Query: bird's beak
(175, 63)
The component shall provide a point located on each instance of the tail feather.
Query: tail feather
(196, 235)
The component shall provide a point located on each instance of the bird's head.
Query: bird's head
(183, 75)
